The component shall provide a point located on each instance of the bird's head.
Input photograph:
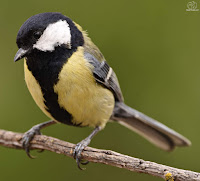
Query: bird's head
(45, 32)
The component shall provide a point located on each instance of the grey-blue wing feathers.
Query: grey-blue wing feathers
(105, 76)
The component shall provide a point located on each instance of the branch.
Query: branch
(12, 140)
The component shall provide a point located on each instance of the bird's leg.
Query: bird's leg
(35, 130)
(81, 145)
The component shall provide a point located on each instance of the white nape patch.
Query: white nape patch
(54, 35)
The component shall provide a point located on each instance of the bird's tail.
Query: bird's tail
(154, 131)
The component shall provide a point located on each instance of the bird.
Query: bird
(72, 83)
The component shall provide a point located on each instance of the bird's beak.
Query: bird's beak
(21, 53)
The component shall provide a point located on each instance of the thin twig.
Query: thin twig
(13, 140)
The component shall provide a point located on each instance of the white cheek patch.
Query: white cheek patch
(54, 35)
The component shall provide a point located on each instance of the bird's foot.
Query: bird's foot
(78, 150)
(27, 138)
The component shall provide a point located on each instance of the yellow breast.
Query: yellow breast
(89, 103)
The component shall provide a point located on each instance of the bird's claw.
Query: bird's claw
(77, 153)
(27, 138)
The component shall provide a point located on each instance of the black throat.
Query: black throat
(45, 67)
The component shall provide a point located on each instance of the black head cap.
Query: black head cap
(33, 28)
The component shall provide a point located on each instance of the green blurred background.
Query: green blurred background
(154, 49)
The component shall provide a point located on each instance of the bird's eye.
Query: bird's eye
(37, 34)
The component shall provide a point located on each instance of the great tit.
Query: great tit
(71, 82)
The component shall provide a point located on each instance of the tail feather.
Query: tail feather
(154, 131)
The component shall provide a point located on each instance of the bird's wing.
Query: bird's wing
(105, 75)
(102, 72)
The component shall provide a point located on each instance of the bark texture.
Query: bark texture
(13, 140)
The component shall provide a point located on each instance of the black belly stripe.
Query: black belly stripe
(45, 67)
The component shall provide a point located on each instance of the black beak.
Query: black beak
(21, 53)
